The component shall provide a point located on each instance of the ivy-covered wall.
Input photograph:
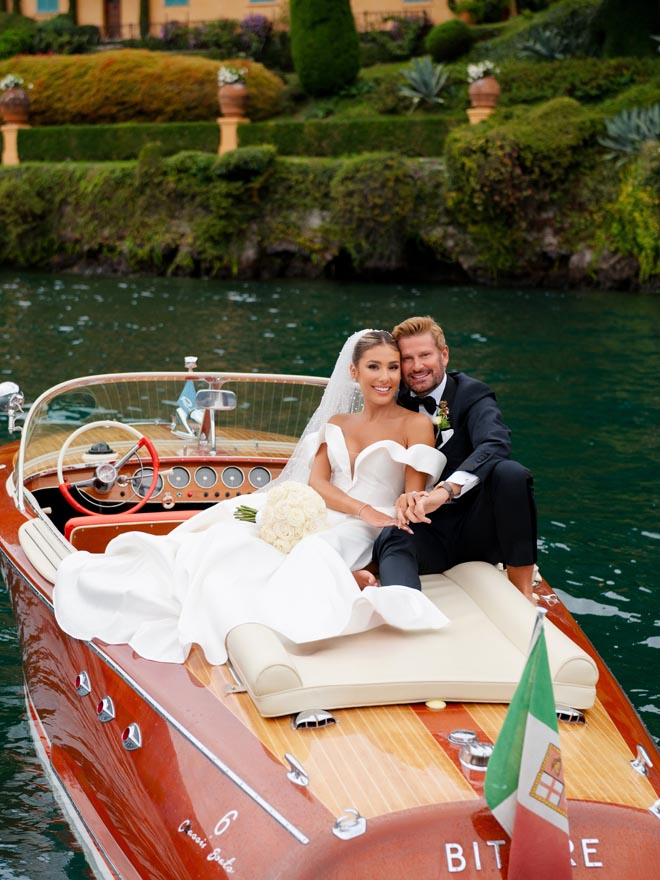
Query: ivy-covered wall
(532, 202)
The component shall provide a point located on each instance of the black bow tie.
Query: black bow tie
(413, 403)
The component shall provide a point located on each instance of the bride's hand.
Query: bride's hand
(375, 518)
(411, 507)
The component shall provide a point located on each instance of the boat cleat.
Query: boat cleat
(350, 825)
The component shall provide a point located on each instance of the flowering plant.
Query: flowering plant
(13, 81)
(480, 70)
(292, 511)
(441, 418)
(228, 75)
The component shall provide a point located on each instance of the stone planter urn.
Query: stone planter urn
(15, 106)
(233, 99)
(484, 92)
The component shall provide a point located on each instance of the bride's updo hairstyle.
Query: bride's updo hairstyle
(370, 340)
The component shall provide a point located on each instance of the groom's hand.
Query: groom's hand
(411, 507)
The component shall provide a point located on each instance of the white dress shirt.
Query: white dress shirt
(463, 479)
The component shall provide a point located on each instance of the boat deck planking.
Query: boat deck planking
(387, 758)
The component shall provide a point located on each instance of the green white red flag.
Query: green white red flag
(524, 785)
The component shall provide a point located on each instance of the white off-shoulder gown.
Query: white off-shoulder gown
(161, 594)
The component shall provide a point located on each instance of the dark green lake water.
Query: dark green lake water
(578, 379)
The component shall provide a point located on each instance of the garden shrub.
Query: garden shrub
(634, 218)
(61, 35)
(103, 143)
(133, 85)
(585, 79)
(246, 163)
(572, 20)
(324, 45)
(423, 136)
(402, 39)
(16, 34)
(448, 41)
(499, 179)
(372, 198)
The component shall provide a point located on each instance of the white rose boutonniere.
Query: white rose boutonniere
(292, 511)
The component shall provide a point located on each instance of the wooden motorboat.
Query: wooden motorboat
(356, 757)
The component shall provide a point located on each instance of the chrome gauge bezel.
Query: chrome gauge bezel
(203, 469)
(174, 476)
(146, 475)
(257, 484)
(226, 479)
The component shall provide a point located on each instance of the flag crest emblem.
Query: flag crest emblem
(549, 785)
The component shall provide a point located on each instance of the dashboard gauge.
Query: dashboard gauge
(259, 476)
(233, 477)
(178, 477)
(141, 480)
(205, 477)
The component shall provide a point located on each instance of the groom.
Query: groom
(483, 507)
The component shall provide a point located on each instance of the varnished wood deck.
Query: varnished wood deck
(391, 758)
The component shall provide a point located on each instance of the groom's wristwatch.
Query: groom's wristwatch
(448, 489)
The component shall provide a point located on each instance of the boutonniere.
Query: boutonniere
(441, 418)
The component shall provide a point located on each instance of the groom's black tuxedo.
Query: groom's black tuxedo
(495, 521)
(480, 438)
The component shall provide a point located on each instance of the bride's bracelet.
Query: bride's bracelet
(359, 513)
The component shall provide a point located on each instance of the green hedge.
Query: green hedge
(101, 143)
(134, 85)
(421, 136)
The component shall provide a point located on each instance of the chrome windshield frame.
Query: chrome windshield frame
(214, 380)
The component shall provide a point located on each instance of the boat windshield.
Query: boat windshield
(268, 417)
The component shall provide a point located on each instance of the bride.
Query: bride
(162, 594)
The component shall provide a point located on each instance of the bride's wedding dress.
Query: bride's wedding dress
(162, 594)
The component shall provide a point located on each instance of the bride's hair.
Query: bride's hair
(370, 339)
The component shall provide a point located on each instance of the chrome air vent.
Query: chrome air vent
(567, 713)
(313, 718)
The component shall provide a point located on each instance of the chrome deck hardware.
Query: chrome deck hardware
(235, 689)
(462, 737)
(131, 737)
(567, 713)
(642, 762)
(11, 402)
(350, 825)
(297, 773)
(312, 718)
(105, 709)
(475, 755)
(655, 809)
(83, 687)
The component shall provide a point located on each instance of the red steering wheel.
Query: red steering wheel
(107, 472)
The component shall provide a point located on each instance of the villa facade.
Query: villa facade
(120, 18)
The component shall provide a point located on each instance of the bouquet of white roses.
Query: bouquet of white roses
(292, 511)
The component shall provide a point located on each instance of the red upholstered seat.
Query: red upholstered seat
(94, 531)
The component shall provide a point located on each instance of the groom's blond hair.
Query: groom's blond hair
(416, 326)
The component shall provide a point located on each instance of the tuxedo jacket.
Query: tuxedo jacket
(480, 438)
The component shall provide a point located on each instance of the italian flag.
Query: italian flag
(524, 784)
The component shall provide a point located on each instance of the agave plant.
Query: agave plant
(424, 82)
(547, 44)
(628, 130)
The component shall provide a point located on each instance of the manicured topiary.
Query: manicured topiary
(135, 85)
(324, 45)
(448, 41)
